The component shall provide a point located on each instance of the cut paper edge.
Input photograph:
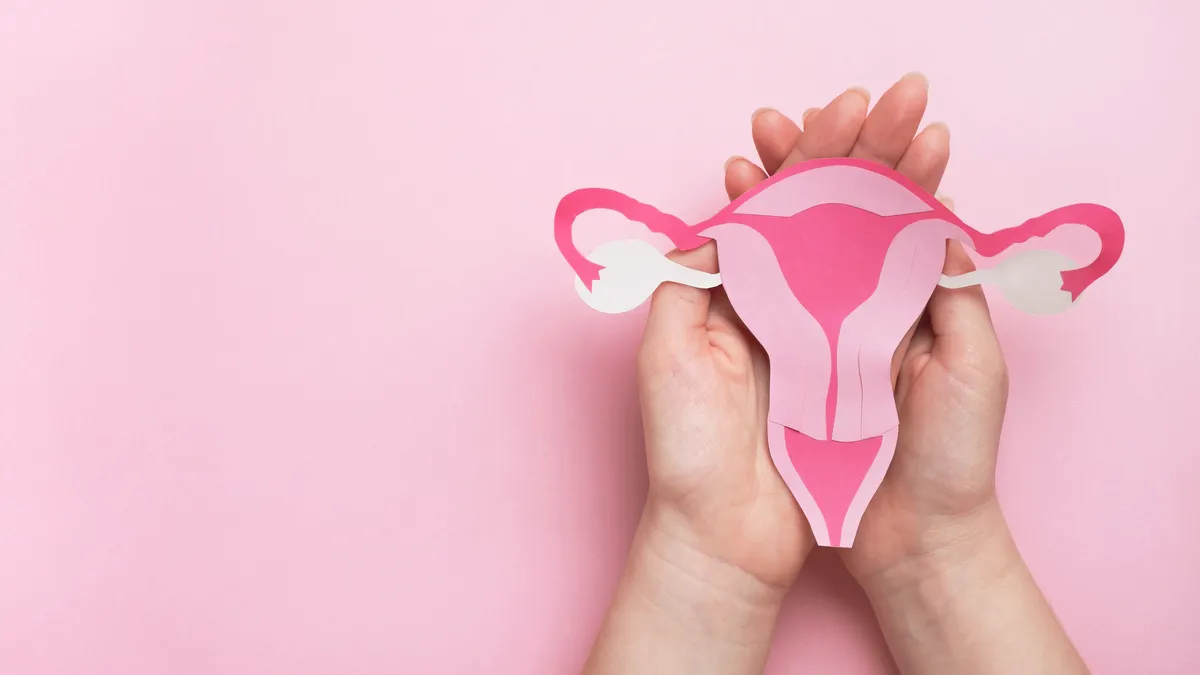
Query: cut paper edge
(869, 487)
(777, 445)
(870, 333)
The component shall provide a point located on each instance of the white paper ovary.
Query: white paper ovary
(1031, 280)
(632, 270)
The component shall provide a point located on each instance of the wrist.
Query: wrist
(950, 588)
(970, 605)
(974, 548)
(678, 610)
(703, 595)
(933, 606)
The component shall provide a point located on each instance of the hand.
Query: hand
(938, 497)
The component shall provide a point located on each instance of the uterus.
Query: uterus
(829, 265)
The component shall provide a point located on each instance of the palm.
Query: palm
(943, 467)
(711, 462)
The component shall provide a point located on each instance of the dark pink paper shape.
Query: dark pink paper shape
(829, 263)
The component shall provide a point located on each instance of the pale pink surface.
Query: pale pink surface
(243, 286)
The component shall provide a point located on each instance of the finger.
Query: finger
(719, 308)
(679, 313)
(959, 318)
(925, 160)
(725, 330)
(807, 113)
(893, 121)
(740, 175)
(919, 349)
(946, 201)
(774, 137)
(832, 131)
(901, 352)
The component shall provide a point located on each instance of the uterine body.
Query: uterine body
(830, 330)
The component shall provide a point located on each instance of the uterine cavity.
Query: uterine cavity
(831, 256)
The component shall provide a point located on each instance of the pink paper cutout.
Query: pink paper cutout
(859, 249)
(832, 473)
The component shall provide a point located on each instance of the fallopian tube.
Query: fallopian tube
(828, 264)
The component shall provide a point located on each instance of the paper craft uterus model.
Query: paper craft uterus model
(829, 263)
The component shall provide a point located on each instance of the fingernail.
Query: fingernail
(917, 76)
(807, 114)
(943, 125)
(731, 160)
(861, 91)
(754, 115)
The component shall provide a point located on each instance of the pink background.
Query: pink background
(292, 379)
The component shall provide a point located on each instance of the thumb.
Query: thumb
(959, 318)
(679, 312)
